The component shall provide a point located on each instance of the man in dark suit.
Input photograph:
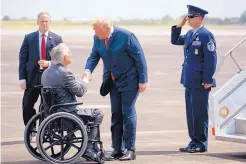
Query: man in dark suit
(34, 57)
(197, 75)
(124, 75)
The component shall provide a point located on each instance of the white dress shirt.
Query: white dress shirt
(111, 31)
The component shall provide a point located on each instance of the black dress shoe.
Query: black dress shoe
(114, 155)
(196, 150)
(184, 149)
(129, 155)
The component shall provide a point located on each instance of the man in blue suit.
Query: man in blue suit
(199, 65)
(124, 75)
(34, 57)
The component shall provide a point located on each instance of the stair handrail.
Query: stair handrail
(232, 56)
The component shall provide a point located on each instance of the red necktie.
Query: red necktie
(43, 48)
(106, 44)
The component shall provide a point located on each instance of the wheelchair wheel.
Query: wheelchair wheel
(30, 135)
(54, 127)
(101, 156)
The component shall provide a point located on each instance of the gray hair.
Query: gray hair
(58, 52)
(43, 13)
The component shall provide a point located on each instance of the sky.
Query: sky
(113, 9)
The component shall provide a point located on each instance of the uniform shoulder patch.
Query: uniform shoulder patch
(211, 45)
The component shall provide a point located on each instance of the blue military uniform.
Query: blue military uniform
(199, 65)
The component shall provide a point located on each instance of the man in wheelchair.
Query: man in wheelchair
(67, 88)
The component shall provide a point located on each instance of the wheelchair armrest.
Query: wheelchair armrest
(66, 104)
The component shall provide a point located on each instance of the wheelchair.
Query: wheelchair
(61, 137)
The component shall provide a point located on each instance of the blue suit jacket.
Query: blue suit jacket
(29, 56)
(200, 58)
(124, 57)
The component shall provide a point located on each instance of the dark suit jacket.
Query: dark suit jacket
(124, 57)
(64, 85)
(29, 56)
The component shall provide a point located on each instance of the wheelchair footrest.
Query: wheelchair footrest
(91, 140)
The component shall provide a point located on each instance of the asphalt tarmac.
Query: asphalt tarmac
(161, 128)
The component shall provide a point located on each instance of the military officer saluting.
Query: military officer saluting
(199, 65)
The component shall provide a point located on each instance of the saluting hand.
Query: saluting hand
(182, 22)
(142, 87)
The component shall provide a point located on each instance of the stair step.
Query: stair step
(238, 138)
(240, 124)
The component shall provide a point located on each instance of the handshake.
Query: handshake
(86, 76)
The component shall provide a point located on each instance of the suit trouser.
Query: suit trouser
(123, 118)
(97, 118)
(197, 115)
(29, 99)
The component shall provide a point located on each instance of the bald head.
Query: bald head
(102, 28)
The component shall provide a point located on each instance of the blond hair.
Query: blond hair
(103, 22)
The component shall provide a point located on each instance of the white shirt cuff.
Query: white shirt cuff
(23, 80)
(49, 63)
(87, 70)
